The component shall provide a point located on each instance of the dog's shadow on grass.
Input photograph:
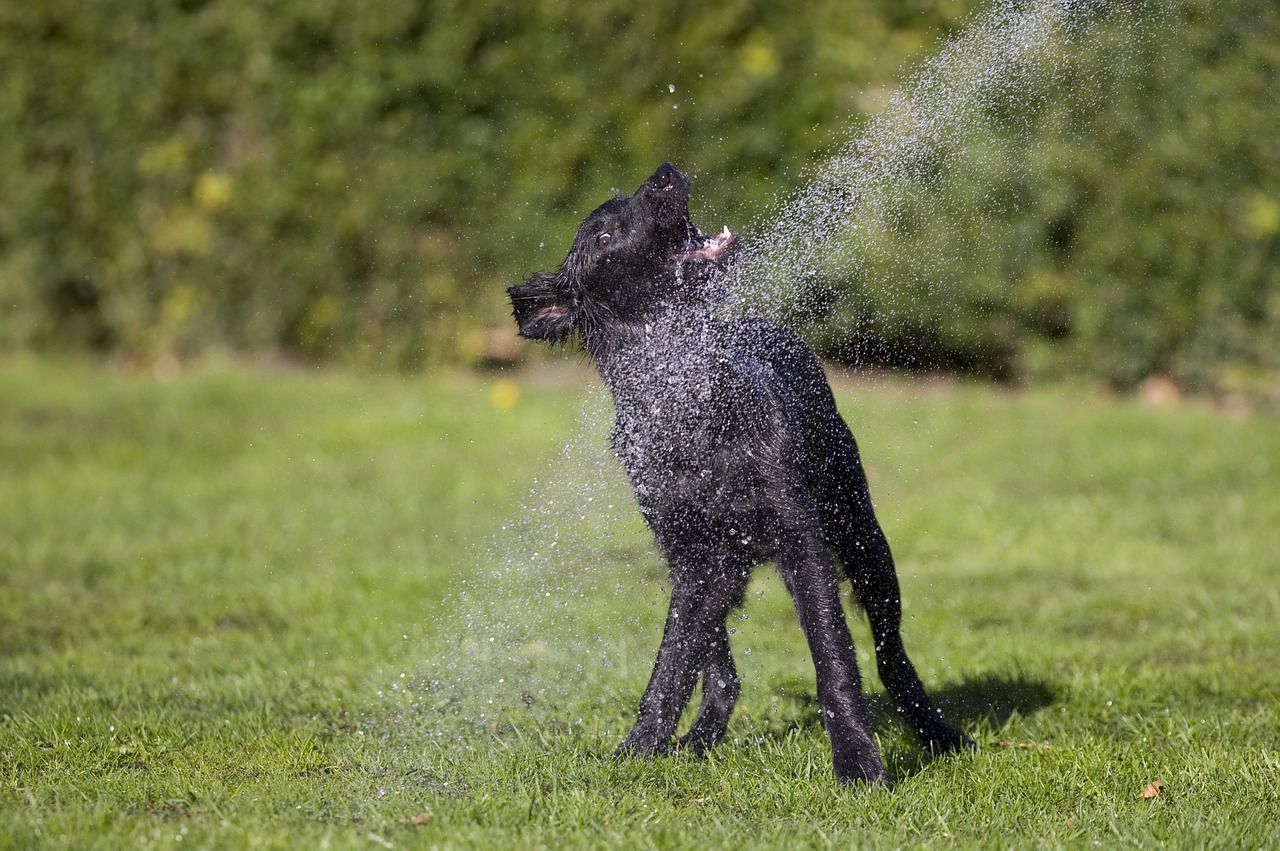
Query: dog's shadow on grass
(979, 702)
(989, 699)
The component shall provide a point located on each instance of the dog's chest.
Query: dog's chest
(670, 421)
(665, 418)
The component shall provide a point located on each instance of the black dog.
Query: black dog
(731, 439)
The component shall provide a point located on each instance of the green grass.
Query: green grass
(256, 609)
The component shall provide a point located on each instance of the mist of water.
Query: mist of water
(555, 591)
(949, 116)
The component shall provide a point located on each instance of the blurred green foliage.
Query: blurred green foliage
(359, 182)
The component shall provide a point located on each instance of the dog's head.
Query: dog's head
(632, 254)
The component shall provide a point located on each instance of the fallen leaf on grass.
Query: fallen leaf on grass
(701, 800)
(418, 820)
(1153, 789)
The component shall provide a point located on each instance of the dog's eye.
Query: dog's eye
(603, 239)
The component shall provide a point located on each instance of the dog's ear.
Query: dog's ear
(544, 307)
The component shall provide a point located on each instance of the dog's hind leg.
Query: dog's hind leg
(862, 547)
(809, 573)
(720, 690)
(876, 585)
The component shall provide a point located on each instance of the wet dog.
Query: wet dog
(731, 439)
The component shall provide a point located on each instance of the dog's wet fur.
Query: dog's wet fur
(737, 455)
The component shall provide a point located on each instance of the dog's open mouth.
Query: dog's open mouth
(707, 249)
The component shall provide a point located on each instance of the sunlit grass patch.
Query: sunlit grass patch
(254, 608)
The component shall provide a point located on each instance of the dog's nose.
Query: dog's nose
(665, 176)
(666, 181)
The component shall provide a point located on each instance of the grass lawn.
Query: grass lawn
(245, 608)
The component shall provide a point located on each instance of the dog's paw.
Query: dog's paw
(947, 740)
(642, 747)
(868, 769)
(700, 741)
(856, 762)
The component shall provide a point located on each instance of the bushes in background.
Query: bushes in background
(359, 182)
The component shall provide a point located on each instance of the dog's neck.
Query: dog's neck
(673, 340)
(610, 338)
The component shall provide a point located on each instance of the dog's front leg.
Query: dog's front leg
(704, 589)
(675, 672)
(720, 689)
(809, 573)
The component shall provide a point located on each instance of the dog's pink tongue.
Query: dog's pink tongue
(712, 246)
(720, 241)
